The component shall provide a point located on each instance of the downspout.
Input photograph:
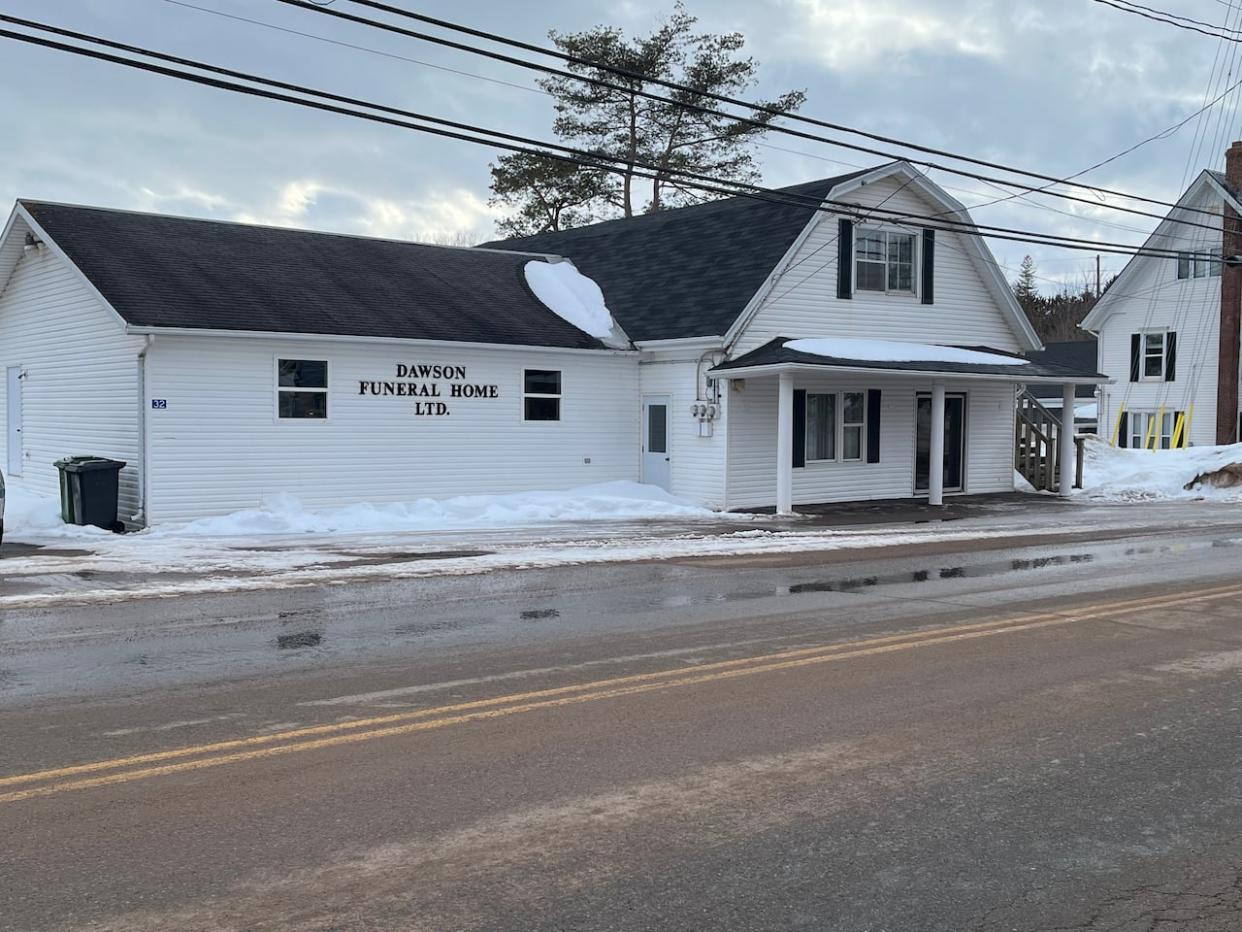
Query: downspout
(140, 518)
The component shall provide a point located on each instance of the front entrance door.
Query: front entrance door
(657, 462)
(13, 420)
(954, 443)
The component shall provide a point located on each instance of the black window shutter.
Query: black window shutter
(1136, 342)
(1123, 430)
(873, 425)
(929, 266)
(1170, 356)
(799, 429)
(845, 259)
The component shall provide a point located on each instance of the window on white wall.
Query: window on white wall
(1151, 429)
(1199, 264)
(541, 395)
(302, 389)
(821, 427)
(884, 261)
(853, 424)
(836, 426)
(1153, 355)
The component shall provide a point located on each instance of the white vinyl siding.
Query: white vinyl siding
(697, 462)
(1152, 297)
(752, 442)
(803, 302)
(219, 447)
(80, 384)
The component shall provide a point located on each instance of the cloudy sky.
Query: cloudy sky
(1050, 85)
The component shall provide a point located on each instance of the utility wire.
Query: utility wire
(1172, 19)
(458, 130)
(1022, 197)
(700, 94)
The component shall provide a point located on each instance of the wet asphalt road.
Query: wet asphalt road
(1028, 738)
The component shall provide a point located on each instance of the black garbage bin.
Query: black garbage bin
(88, 490)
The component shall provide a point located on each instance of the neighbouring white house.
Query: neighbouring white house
(816, 346)
(1168, 326)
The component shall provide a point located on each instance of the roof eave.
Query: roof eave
(1015, 377)
(146, 330)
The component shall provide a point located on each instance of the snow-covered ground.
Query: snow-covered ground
(282, 544)
(1121, 475)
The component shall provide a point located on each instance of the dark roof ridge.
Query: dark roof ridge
(29, 202)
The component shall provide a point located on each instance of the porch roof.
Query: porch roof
(775, 357)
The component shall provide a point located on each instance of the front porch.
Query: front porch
(937, 423)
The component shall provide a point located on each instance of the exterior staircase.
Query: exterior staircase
(1037, 445)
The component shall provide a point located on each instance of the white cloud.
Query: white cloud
(446, 215)
(844, 34)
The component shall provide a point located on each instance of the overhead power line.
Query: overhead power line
(699, 94)
(1022, 197)
(459, 130)
(1172, 19)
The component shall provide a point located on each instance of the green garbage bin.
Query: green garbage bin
(89, 488)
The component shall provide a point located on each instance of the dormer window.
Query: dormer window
(884, 261)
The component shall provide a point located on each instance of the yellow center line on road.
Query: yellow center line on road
(486, 709)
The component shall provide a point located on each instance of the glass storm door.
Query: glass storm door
(954, 443)
(657, 462)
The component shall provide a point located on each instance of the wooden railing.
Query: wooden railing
(1037, 447)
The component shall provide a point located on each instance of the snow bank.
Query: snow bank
(894, 351)
(27, 511)
(284, 514)
(1114, 474)
(572, 296)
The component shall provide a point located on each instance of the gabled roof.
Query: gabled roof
(687, 272)
(158, 271)
(1117, 292)
(775, 355)
(1075, 355)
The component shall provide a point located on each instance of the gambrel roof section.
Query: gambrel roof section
(703, 271)
(951, 209)
(1209, 182)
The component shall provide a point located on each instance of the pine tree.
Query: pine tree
(1025, 289)
(618, 122)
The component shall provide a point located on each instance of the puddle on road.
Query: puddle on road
(299, 640)
(539, 614)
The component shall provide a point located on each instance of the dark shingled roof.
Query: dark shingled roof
(775, 353)
(687, 272)
(1076, 355)
(160, 271)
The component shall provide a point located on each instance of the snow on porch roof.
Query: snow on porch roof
(891, 356)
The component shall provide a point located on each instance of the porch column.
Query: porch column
(935, 459)
(784, 444)
(1067, 439)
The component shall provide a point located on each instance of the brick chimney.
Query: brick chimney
(1230, 309)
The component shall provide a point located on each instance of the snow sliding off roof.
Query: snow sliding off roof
(893, 356)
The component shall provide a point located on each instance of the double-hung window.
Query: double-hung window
(1153, 355)
(541, 395)
(835, 426)
(302, 389)
(884, 261)
(1150, 429)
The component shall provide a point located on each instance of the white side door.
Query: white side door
(13, 420)
(657, 460)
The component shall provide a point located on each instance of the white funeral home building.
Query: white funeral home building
(818, 346)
